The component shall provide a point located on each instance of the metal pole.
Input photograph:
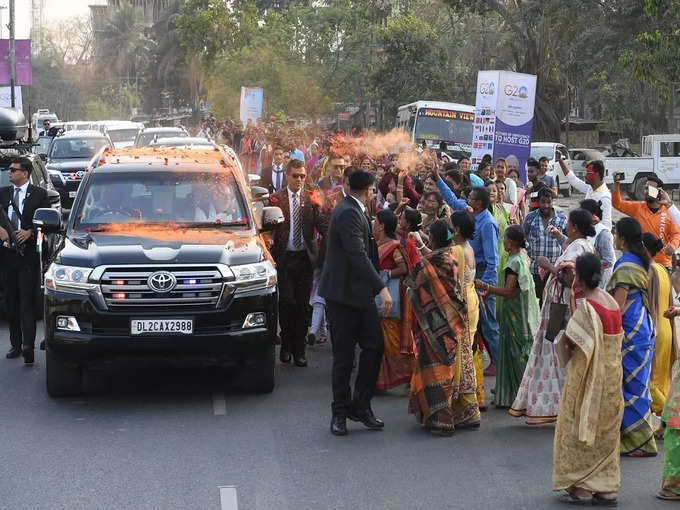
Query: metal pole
(12, 53)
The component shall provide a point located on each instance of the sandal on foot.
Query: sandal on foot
(600, 501)
(667, 495)
(639, 454)
(570, 499)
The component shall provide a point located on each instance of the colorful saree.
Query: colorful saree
(660, 290)
(397, 363)
(519, 322)
(637, 432)
(671, 417)
(538, 397)
(443, 386)
(587, 437)
(502, 219)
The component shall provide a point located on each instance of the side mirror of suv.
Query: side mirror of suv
(43, 157)
(48, 219)
(271, 218)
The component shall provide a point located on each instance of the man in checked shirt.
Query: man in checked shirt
(540, 243)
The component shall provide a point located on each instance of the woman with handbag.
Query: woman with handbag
(395, 264)
(538, 398)
(443, 386)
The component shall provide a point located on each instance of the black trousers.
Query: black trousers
(20, 287)
(296, 276)
(350, 325)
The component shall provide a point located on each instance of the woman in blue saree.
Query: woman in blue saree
(629, 285)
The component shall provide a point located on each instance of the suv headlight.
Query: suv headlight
(69, 279)
(249, 277)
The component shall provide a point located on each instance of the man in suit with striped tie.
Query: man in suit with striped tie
(296, 251)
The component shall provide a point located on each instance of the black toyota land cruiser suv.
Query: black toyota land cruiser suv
(162, 258)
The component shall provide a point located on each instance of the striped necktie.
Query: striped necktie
(297, 223)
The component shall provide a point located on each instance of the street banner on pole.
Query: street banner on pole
(251, 104)
(6, 97)
(23, 55)
(504, 118)
(485, 116)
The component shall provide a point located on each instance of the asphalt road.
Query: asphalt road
(170, 438)
(167, 438)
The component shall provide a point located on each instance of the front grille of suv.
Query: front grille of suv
(198, 287)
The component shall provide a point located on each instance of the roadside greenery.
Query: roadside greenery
(616, 61)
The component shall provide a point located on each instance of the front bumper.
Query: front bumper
(105, 335)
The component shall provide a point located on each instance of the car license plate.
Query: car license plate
(72, 194)
(161, 326)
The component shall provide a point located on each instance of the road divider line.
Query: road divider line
(228, 498)
(219, 404)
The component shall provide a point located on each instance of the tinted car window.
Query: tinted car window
(122, 135)
(76, 148)
(146, 138)
(160, 198)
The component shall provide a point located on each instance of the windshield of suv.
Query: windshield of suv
(122, 135)
(187, 198)
(76, 148)
(147, 137)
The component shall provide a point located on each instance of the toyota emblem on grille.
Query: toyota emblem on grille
(162, 281)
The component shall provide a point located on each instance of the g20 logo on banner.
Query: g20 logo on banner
(515, 91)
(487, 89)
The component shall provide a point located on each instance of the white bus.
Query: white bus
(436, 121)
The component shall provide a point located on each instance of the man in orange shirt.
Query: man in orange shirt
(653, 217)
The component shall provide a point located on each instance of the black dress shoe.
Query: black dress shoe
(368, 419)
(311, 339)
(13, 353)
(301, 362)
(29, 356)
(339, 426)
(285, 356)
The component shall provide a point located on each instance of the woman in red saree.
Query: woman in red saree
(397, 364)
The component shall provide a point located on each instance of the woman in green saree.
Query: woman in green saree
(502, 218)
(519, 319)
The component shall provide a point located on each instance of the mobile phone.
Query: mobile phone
(653, 192)
(558, 155)
(619, 176)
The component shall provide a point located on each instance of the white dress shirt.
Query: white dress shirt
(291, 203)
(20, 203)
(601, 194)
(277, 177)
(363, 207)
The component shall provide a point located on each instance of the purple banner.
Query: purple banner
(513, 143)
(23, 53)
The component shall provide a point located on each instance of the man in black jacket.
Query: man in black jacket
(274, 176)
(20, 267)
(349, 283)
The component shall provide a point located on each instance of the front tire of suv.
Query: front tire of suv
(63, 378)
(258, 375)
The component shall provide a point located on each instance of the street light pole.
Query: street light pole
(12, 54)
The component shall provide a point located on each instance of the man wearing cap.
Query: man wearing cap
(349, 283)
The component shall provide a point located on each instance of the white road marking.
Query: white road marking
(219, 404)
(228, 498)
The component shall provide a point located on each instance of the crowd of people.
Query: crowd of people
(474, 266)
